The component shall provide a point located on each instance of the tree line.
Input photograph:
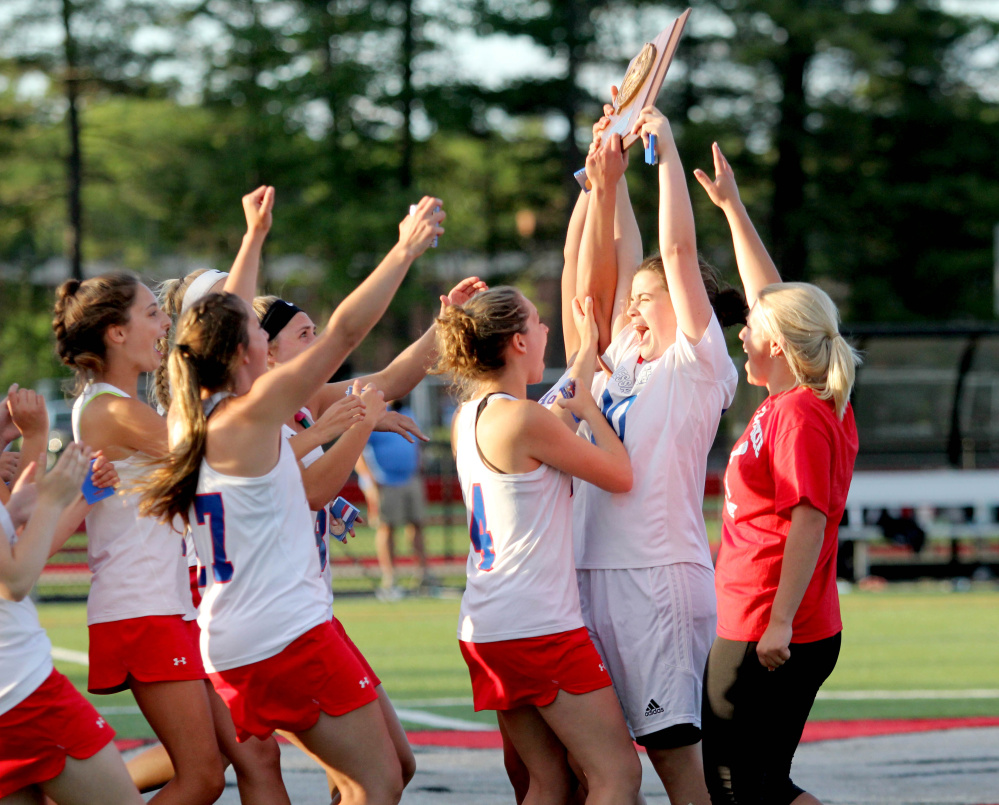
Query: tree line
(864, 135)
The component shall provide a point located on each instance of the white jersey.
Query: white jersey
(666, 412)
(139, 566)
(25, 650)
(521, 579)
(255, 537)
(320, 519)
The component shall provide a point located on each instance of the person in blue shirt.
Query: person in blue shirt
(389, 473)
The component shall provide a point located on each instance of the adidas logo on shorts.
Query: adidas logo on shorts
(653, 708)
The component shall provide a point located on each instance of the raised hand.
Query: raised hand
(601, 125)
(28, 412)
(338, 418)
(723, 191)
(61, 486)
(9, 462)
(463, 291)
(417, 231)
(8, 430)
(606, 164)
(394, 422)
(652, 121)
(257, 207)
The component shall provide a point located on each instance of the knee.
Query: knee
(631, 778)
(265, 756)
(407, 766)
(389, 787)
(623, 777)
(206, 783)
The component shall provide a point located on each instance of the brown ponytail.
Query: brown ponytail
(83, 313)
(472, 338)
(204, 358)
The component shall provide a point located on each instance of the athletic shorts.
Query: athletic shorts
(156, 648)
(532, 670)
(653, 627)
(356, 652)
(401, 505)
(315, 673)
(36, 737)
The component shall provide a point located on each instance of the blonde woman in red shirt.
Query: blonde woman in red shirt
(785, 492)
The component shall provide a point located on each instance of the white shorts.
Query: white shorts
(653, 628)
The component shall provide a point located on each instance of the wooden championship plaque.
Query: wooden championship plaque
(641, 84)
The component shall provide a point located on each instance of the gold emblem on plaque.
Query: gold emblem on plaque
(636, 76)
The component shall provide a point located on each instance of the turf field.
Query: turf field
(908, 652)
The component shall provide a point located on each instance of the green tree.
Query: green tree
(86, 48)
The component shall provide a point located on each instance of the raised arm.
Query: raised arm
(410, 366)
(27, 411)
(596, 272)
(573, 236)
(628, 246)
(677, 242)
(756, 267)
(279, 393)
(257, 207)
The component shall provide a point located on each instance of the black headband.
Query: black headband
(277, 317)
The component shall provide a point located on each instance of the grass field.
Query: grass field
(908, 652)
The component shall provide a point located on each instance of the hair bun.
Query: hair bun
(67, 289)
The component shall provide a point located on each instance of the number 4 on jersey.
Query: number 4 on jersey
(482, 540)
(210, 506)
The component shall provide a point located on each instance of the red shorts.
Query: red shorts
(315, 673)
(356, 652)
(36, 737)
(192, 573)
(157, 648)
(531, 671)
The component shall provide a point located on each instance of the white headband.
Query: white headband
(200, 288)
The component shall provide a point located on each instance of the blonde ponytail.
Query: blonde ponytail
(805, 322)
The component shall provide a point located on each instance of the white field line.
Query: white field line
(889, 695)
(431, 720)
(68, 655)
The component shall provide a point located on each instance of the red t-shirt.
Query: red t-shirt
(794, 451)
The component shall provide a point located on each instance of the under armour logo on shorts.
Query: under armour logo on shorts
(600, 667)
(100, 723)
(364, 682)
(180, 660)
